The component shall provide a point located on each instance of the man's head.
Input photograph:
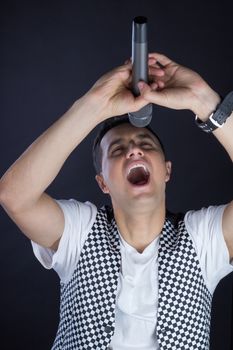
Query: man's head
(130, 164)
(104, 128)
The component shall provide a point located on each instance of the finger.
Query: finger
(151, 60)
(156, 71)
(126, 65)
(160, 64)
(162, 59)
(144, 88)
(152, 95)
(154, 86)
(123, 68)
(161, 84)
(128, 61)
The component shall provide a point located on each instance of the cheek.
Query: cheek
(161, 172)
(111, 171)
(107, 170)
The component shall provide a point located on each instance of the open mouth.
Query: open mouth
(138, 175)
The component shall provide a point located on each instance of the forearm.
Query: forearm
(223, 134)
(26, 180)
(36, 168)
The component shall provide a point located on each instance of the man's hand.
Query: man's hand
(178, 87)
(113, 91)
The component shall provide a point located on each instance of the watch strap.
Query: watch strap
(218, 117)
(208, 125)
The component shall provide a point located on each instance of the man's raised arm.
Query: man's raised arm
(225, 137)
(22, 187)
(182, 88)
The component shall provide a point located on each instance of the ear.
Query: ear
(100, 180)
(168, 170)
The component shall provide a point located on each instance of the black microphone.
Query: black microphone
(142, 117)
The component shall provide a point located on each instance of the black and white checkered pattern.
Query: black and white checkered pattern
(184, 305)
(87, 310)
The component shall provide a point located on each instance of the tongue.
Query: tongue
(138, 176)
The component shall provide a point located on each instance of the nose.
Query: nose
(134, 151)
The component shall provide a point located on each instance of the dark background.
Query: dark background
(51, 53)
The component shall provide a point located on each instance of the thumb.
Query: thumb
(142, 86)
(145, 90)
(150, 94)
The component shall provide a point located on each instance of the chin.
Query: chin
(142, 192)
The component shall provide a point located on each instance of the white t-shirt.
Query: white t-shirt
(137, 296)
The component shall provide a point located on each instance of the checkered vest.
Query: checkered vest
(87, 305)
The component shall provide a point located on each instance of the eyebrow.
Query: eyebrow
(148, 136)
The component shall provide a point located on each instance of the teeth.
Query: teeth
(137, 166)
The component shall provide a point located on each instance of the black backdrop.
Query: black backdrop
(51, 53)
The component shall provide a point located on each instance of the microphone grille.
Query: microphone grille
(142, 117)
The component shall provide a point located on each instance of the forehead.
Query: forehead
(125, 132)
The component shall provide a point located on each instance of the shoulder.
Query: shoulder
(76, 210)
(205, 226)
(74, 204)
(206, 230)
(204, 218)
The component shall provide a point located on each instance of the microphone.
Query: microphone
(142, 117)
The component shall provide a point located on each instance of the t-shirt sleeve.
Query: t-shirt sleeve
(205, 228)
(79, 218)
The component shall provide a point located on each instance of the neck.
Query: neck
(140, 227)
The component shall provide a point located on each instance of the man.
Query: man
(133, 276)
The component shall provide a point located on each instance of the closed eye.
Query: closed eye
(117, 151)
(147, 145)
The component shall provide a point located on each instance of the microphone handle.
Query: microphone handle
(140, 65)
(142, 117)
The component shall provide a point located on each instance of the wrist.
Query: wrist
(218, 117)
(91, 107)
(206, 104)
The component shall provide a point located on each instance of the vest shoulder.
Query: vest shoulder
(106, 211)
(175, 218)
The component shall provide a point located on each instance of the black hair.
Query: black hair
(103, 129)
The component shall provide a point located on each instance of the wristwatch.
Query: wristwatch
(219, 116)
